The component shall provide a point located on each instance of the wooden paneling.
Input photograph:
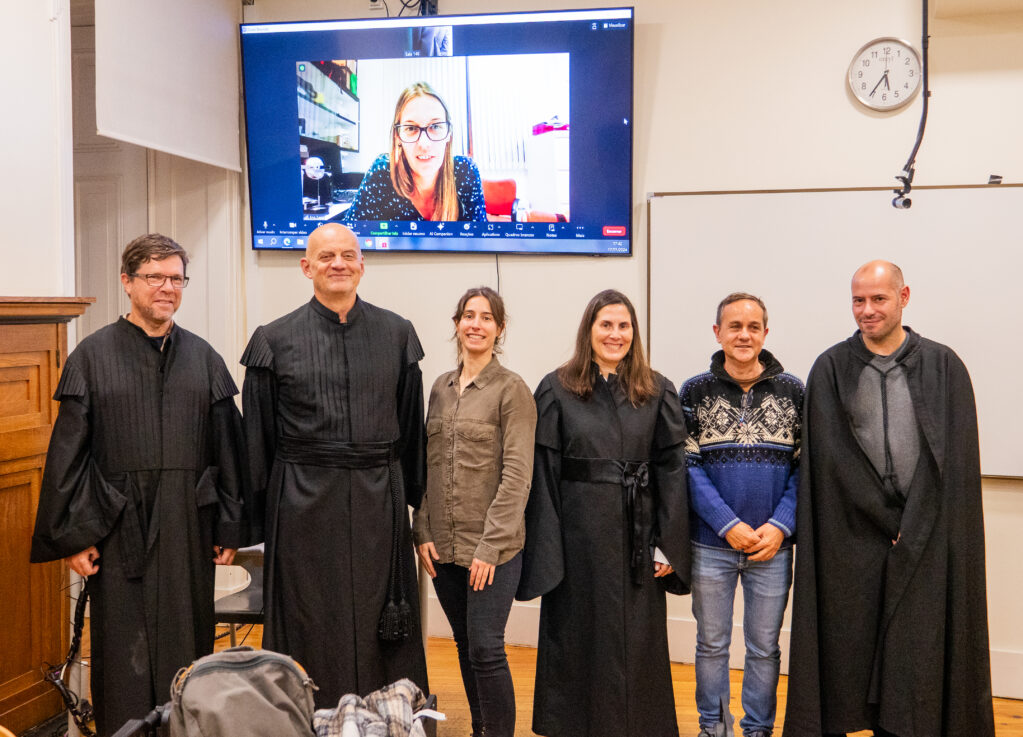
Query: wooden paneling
(29, 355)
(33, 609)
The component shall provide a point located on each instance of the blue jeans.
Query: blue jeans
(478, 620)
(765, 593)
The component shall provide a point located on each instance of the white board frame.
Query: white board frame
(960, 248)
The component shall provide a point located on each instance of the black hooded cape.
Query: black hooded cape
(602, 662)
(144, 463)
(314, 387)
(883, 634)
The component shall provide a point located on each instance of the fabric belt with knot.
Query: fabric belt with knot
(634, 478)
(396, 617)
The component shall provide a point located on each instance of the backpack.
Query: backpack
(242, 692)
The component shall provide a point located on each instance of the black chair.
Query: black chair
(245, 606)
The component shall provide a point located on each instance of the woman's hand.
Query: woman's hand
(480, 574)
(662, 569)
(428, 554)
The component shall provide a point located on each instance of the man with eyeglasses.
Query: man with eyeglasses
(333, 401)
(142, 492)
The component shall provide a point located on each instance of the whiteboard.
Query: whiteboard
(960, 249)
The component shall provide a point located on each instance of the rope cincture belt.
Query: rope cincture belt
(634, 478)
(889, 480)
(396, 618)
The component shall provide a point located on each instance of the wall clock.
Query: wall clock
(885, 74)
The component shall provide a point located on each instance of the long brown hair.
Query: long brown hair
(633, 371)
(496, 309)
(445, 197)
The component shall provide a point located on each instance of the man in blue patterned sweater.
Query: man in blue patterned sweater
(743, 419)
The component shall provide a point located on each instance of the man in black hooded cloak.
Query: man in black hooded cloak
(889, 625)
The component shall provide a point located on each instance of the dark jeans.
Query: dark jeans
(478, 619)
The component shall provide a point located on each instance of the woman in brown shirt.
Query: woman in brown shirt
(469, 528)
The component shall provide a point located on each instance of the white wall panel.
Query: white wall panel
(167, 76)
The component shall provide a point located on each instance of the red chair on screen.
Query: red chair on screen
(504, 206)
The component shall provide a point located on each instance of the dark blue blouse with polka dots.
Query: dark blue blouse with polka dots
(378, 200)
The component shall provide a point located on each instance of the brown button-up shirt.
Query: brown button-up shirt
(479, 467)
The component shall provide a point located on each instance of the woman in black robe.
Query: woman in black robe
(606, 534)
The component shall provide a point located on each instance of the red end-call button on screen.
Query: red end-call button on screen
(614, 230)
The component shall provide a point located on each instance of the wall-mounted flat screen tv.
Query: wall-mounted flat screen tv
(497, 133)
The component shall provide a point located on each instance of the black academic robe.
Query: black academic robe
(314, 385)
(602, 662)
(883, 634)
(144, 463)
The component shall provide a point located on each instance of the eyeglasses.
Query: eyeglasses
(409, 133)
(158, 280)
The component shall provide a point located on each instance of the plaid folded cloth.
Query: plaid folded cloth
(387, 712)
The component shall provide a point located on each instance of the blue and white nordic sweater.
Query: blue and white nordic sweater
(742, 450)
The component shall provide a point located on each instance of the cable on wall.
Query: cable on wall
(901, 200)
(420, 7)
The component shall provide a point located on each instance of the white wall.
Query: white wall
(36, 241)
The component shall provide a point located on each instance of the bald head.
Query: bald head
(878, 296)
(881, 271)
(334, 262)
(333, 233)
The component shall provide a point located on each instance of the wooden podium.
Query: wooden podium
(34, 608)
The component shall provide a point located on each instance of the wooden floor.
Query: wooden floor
(446, 683)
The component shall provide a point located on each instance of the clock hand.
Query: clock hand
(876, 86)
(884, 78)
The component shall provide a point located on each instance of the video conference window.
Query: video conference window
(507, 133)
(454, 122)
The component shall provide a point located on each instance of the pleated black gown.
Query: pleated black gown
(320, 395)
(144, 463)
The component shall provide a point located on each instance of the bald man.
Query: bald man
(889, 625)
(333, 403)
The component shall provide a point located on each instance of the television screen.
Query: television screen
(498, 133)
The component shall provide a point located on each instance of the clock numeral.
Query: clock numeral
(907, 61)
(866, 62)
(863, 86)
(910, 72)
(884, 97)
(859, 74)
(895, 94)
(906, 85)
